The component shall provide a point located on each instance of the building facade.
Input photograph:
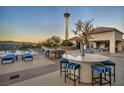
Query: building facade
(109, 39)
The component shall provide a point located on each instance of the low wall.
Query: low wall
(67, 47)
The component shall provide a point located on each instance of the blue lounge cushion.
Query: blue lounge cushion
(99, 50)
(88, 50)
(27, 55)
(8, 56)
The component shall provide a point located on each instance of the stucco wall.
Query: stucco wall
(106, 36)
(103, 36)
(118, 36)
(119, 46)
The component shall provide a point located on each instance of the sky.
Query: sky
(37, 23)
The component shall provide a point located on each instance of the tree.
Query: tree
(84, 29)
(52, 42)
(38, 45)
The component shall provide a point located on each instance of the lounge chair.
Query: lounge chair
(27, 56)
(60, 53)
(89, 50)
(99, 50)
(42, 50)
(56, 53)
(8, 58)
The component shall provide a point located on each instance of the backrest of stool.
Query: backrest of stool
(62, 60)
(109, 62)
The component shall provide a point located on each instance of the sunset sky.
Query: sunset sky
(34, 24)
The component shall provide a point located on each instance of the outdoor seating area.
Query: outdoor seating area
(54, 54)
(93, 50)
(12, 56)
(74, 68)
(90, 66)
(65, 70)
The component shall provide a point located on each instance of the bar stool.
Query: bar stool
(62, 65)
(100, 70)
(69, 67)
(110, 64)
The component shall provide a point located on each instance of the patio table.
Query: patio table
(86, 62)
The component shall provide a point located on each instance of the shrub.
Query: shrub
(67, 43)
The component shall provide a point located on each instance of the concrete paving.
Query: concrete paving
(51, 79)
(38, 60)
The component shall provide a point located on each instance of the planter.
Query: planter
(67, 47)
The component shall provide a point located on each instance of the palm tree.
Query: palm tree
(84, 29)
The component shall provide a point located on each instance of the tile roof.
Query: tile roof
(105, 29)
(76, 38)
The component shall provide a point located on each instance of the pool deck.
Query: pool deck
(48, 71)
(38, 60)
(26, 69)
